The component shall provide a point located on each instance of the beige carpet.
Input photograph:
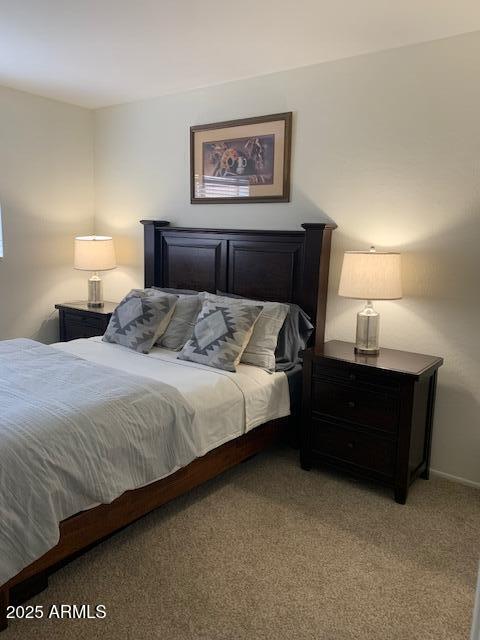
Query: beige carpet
(269, 551)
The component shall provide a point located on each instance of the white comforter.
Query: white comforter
(74, 434)
(226, 404)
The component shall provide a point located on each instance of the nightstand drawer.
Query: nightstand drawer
(82, 325)
(353, 447)
(82, 319)
(75, 330)
(375, 409)
(354, 375)
(78, 320)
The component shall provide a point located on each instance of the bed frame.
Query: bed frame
(287, 266)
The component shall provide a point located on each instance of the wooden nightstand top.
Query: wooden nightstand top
(413, 364)
(82, 305)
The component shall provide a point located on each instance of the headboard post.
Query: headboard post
(152, 249)
(316, 266)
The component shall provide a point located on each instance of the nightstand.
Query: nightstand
(370, 416)
(78, 320)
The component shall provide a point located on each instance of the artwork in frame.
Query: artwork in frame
(241, 160)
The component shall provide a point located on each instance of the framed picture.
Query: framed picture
(241, 160)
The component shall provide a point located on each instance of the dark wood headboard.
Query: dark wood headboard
(287, 266)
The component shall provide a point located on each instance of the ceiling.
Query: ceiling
(101, 52)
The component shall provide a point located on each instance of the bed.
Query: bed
(283, 266)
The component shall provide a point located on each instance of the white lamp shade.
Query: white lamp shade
(94, 253)
(371, 275)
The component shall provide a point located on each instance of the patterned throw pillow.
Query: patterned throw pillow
(140, 319)
(220, 335)
(260, 350)
(181, 325)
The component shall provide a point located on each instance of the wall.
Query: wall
(387, 145)
(46, 197)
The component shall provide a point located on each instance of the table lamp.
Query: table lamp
(370, 275)
(94, 253)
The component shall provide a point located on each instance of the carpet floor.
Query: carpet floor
(268, 551)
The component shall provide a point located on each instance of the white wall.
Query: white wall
(388, 146)
(46, 197)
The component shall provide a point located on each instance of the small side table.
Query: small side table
(78, 320)
(370, 416)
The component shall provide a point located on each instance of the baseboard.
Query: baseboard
(448, 476)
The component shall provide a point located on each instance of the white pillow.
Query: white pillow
(180, 329)
(260, 350)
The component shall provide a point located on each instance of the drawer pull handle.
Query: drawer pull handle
(352, 376)
(351, 404)
(350, 445)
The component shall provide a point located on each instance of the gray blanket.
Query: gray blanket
(72, 435)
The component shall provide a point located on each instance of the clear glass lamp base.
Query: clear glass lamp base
(368, 326)
(95, 296)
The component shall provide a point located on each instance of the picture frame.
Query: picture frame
(241, 161)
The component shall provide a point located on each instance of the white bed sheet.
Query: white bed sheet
(226, 404)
